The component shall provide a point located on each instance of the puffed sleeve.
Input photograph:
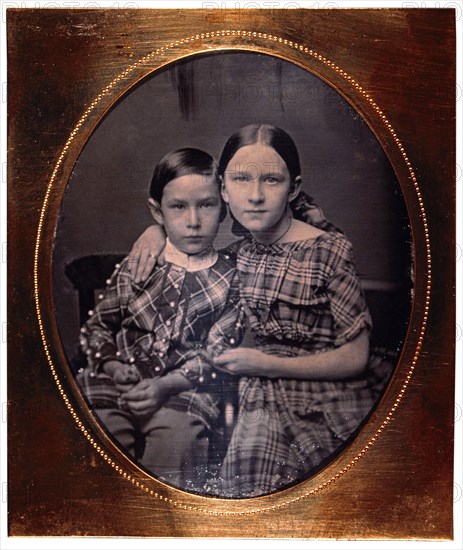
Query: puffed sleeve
(347, 302)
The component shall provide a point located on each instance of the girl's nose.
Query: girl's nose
(255, 192)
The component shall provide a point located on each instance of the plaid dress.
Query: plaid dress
(302, 298)
(175, 320)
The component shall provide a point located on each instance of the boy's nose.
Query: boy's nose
(193, 218)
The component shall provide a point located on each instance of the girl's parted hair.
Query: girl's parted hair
(269, 135)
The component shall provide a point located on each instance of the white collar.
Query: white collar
(190, 262)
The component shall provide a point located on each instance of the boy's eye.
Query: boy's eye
(178, 206)
(207, 205)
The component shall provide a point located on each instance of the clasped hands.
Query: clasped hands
(143, 396)
(146, 396)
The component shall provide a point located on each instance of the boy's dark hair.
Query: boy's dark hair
(184, 162)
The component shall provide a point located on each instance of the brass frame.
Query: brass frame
(379, 487)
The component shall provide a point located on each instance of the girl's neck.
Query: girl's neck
(276, 234)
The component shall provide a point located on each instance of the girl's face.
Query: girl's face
(190, 211)
(257, 186)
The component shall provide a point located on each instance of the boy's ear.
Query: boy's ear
(295, 188)
(156, 212)
(223, 191)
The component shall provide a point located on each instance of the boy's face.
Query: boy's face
(191, 207)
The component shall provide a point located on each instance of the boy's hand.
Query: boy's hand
(147, 396)
(147, 251)
(124, 376)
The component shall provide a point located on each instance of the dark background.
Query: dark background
(200, 102)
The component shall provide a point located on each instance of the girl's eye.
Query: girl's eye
(271, 180)
(240, 178)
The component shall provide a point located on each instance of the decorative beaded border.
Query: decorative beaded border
(382, 116)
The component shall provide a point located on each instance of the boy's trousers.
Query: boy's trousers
(175, 446)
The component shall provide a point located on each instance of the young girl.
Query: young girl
(150, 346)
(304, 386)
(303, 389)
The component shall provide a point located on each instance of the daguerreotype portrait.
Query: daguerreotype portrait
(229, 285)
(316, 265)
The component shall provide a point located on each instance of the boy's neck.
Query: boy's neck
(190, 262)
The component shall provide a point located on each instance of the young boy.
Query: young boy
(150, 346)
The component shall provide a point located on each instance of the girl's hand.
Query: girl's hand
(244, 362)
(147, 396)
(147, 251)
